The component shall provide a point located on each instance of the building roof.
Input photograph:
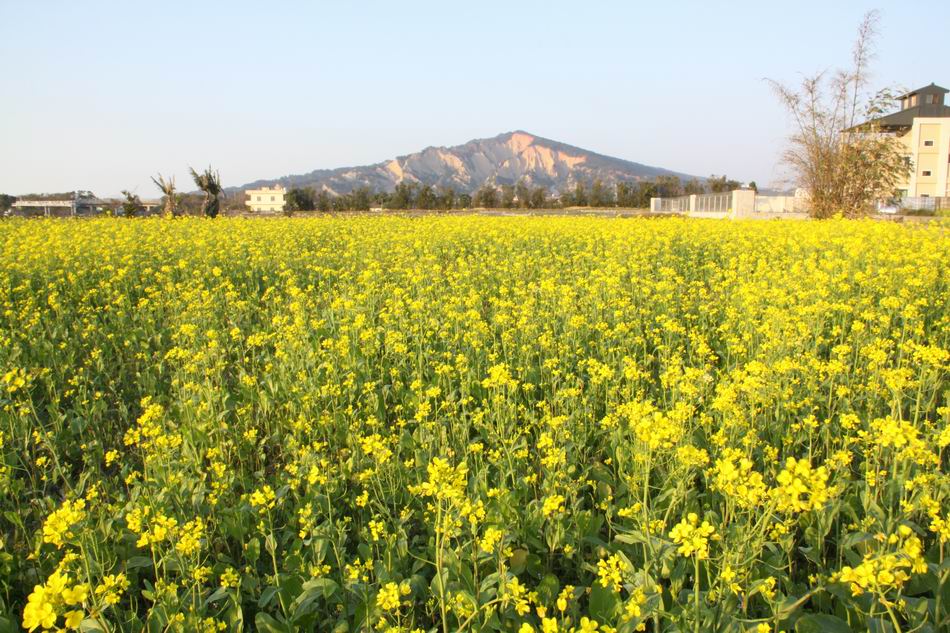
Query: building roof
(931, 89)
(905, 118)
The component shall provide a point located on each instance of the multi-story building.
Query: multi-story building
(266, 199)
(923, 126)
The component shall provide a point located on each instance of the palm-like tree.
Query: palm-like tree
(168, 190)
(209, 182)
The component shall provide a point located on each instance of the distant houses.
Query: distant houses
(73, 203)
(266, 199)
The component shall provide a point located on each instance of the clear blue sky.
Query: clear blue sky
(101, 95)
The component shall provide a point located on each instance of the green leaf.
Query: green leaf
(879, 625)
(548, 589)
(326, 586)
(821, 623)
(266, 623)
(312, 591)
(266, 596)
(518, 561)
(252, 550)
(138, 561)
(219, 593)
(603, 603)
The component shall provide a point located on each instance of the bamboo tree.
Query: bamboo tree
(845, 166)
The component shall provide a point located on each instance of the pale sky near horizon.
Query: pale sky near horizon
(102, 95)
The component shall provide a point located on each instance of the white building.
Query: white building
(266, 199)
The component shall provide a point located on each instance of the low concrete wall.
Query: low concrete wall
(741, 204)
(712, 215)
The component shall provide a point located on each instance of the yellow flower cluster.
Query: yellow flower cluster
(444, 482)
(57, 529)
(264, 498)
(111, 588)
(190, 535)
(609, 572)
(149, 434)
(152, 526)
(375, 446)
(388, 597)
(881, 572)
(59, 596)
(553, 504)
(801, 488)
(735, 476)
(14, 380)
(693, 536)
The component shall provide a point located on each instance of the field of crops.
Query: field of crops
(478, 424)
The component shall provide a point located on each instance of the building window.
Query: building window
(925, 172)
(258, 198)
(928, 143)
(272, 198)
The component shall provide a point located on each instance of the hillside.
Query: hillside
(504, 159)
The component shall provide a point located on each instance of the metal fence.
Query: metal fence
(739, 203)
(713, 202)
(922, 203)
(672, 205)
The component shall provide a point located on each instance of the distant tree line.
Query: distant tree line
(212, 198)
(411, 195)
(6, 202)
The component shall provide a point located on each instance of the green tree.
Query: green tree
(300, 199)
(694, 187)
(324, 201)
(668, 187)
(210, 183)
(754, 187)
(446, 198)
(425, 199)
(464, 201)
(403, 196)
(600, 195)
(538, 198)
(580, 198)
(486, 197)
(645, 190)
(132, 204)
(624, 193)
(523, 194)
(6, 202)
(722, 184)
(507, 197)
(565, 198)
(360, 198)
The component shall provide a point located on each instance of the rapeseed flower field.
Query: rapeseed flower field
(474, 424)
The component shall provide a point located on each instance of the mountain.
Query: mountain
(504, 159)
